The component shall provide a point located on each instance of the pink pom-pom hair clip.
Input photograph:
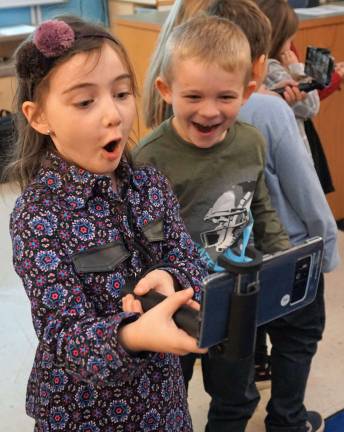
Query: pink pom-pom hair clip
(53, 37)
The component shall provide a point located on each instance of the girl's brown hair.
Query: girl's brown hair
(284, 23)
(31, 146)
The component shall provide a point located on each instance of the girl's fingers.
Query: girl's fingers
(173, 302)
(137, 306)
(130, 304)
(195, 305)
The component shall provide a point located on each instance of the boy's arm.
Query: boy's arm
(302, 191)
(269, 234)
(292, 181)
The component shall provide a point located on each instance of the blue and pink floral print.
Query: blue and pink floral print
(82, 379)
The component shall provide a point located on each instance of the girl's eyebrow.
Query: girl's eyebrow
(87, 84)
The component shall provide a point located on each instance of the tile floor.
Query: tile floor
(325, 391)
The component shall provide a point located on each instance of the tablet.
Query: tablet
(288, 281)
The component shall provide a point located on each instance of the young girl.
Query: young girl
(86, 224)
(283, 65)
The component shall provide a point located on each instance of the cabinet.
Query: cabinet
(7, 92)
(139, 34)
(329, 33)
(124, 7)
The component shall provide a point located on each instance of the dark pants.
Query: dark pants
(294, 340)
(230, 384)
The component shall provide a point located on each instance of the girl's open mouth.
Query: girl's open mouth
(110, 147)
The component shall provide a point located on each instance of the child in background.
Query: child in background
(86, 223)
(283, 64)
(305, 213)
(216, 165)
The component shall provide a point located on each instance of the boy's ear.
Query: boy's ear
(250, 88)
(164, 90)
(259, 68)
(35, 117)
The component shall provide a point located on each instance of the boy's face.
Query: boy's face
(89, 109)
(205, 100)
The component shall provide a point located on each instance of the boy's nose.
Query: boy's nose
(209, 109)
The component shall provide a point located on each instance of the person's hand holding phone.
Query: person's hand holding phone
(155, 330)
(291, 92)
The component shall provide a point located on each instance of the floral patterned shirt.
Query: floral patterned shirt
(75, 245)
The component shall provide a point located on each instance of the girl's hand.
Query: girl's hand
(160, 281)
(156, 331)
(288, 57)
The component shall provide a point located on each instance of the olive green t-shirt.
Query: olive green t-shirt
(217, 186)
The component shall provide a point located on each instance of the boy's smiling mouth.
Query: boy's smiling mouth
(205, 128)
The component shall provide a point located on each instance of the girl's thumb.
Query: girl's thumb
(176, 300)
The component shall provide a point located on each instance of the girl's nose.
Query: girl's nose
(111, 115)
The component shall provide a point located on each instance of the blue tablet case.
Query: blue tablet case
(288, 281)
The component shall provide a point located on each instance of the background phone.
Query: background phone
(319, 65)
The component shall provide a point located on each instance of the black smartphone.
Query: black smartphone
(288, 281)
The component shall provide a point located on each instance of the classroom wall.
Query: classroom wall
(94, 10)
(14, 16)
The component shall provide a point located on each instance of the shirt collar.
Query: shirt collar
(76, 185)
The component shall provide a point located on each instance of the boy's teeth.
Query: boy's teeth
(204, 128)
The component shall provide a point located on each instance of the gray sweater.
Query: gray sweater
(292, 181)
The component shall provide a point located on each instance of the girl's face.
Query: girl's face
(206, 100)
(89, 109)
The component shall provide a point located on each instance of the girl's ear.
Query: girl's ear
(164, 90)
(35, 117)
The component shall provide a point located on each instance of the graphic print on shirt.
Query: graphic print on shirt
(228, 217)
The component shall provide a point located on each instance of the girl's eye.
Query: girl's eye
(84, 103)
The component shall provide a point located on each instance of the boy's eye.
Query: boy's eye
(122, 95)
(227, 97)
(192, 97)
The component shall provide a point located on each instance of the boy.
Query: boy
(216, 165)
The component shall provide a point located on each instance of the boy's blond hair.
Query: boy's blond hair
(210, 40)
(154, 105)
